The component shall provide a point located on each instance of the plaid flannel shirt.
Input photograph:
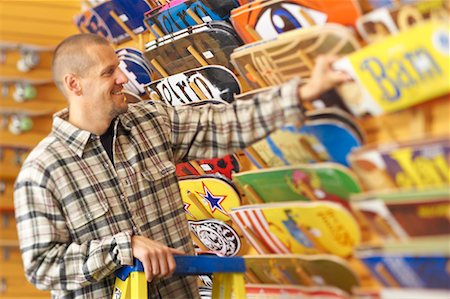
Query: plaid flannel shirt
(76, 211)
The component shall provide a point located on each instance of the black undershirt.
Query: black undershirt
(107, 141)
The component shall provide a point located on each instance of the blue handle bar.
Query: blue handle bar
(193, 265)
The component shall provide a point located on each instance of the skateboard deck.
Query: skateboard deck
(298, 227)
(200, 45)
(317, 140)
(217, 236)
(303, 270)
(22, 89)
(411, 265)
(286, 146)
(385, 21)
(315, 182)
(332, 113)
(425, 120)
(403, 215)
(207, 203)
(209, 82)
(412, 73)
(271, 291)
(226, 166)
(177, 15)
(338, 138)
(418, 164)
(136, 69)
(264, 20)
(291, 54)
(98, 19)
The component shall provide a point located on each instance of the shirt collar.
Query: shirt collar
(75, 138)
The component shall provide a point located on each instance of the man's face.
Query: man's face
(102, 85)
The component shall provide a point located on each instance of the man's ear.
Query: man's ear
(72, 84)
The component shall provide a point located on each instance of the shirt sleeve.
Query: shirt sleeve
(212, 130)
(51, 260)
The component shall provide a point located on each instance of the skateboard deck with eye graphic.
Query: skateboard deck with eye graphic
(301, 270)
(385, 21)
(209, 82)
(266, 19)
(208, 201)
(177, 15)
(298, 227)
(417, 164)
(291, 54)
(308, 182)
(206, 44)
(98, 19)
(414, 71)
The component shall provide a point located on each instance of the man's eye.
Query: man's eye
(109, 72)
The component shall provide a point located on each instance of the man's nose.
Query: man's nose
(121, 77)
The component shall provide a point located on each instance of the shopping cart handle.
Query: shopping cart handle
(193, 265)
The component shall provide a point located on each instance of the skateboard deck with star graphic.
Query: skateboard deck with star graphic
(208, 82)
(291, 54)
(178, 15)
(302, 270)
(414, 71)
(307, 182)
(208, 201)
(206, 44)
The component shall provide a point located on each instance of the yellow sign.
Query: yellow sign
(403, 69)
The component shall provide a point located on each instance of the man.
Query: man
(101, 188)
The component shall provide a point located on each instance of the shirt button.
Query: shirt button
(135, 229)
(122, 197)
(106, 165)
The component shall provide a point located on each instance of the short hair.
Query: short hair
(72, 56)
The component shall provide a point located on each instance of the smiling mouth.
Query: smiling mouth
(117, 92)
